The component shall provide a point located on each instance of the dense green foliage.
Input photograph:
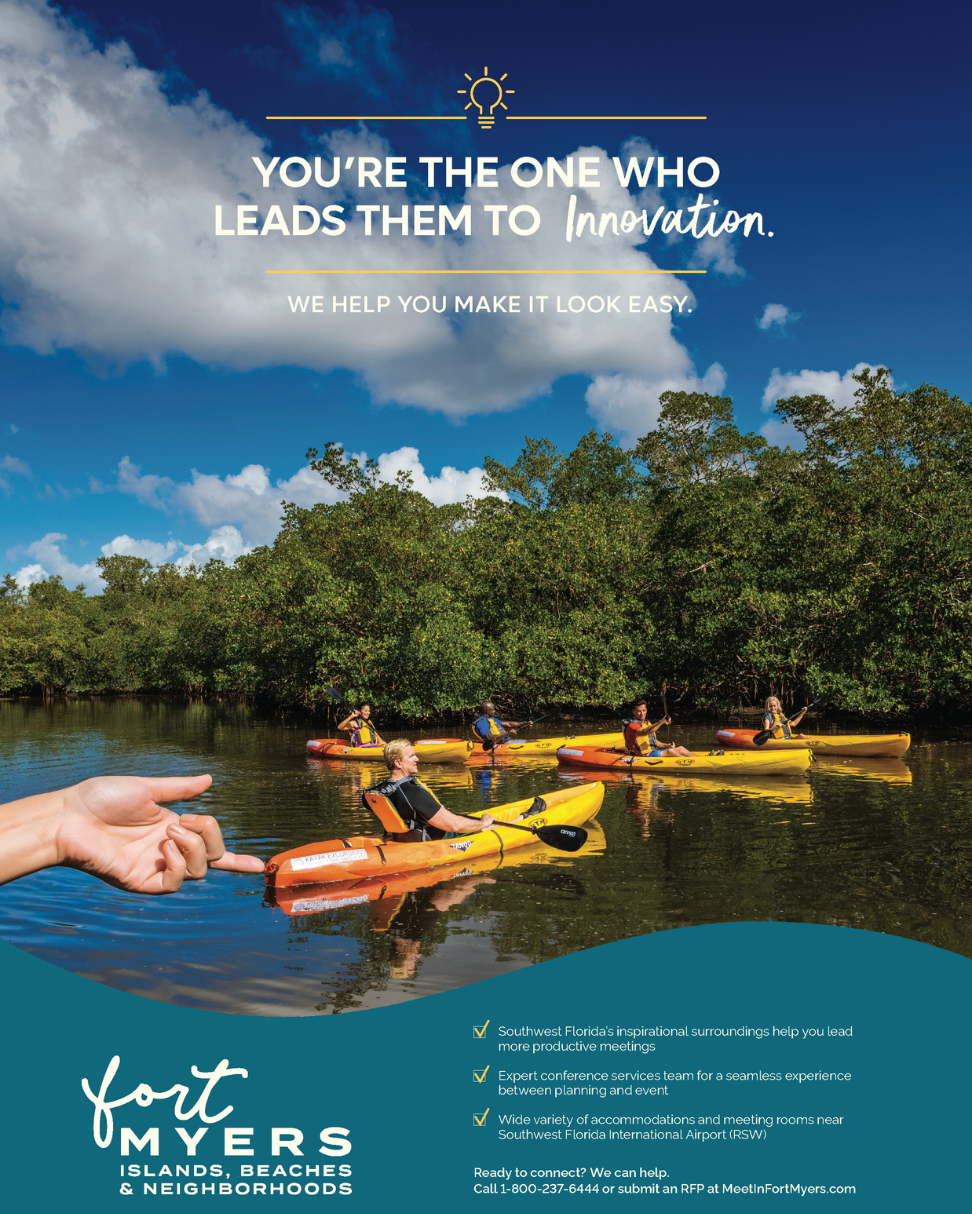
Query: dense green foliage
(707, 558)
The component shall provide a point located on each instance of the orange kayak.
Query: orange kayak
(386, 893)
(429, 750)
(367, 856)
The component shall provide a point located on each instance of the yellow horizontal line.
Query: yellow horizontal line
(430, 272)
(604, 117)
(465, 117)
(366, 117)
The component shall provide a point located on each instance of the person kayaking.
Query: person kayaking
(637, 726)
(417, 805)
(490, 730)
(774, 719)
(361, 728)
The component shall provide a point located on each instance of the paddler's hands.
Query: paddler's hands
(486, 821)
(114, 828)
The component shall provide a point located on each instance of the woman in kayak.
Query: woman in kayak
(774, 719)
(359, 725)
(638, 725)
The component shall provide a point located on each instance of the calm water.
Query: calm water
(877, 844)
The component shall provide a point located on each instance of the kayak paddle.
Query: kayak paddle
(564, 838)
(764, 735)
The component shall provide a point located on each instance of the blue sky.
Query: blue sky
(154, 391)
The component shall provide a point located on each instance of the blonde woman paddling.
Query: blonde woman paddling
(774, 719)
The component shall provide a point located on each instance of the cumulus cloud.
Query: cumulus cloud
(243, 510)
(224, 544)
(251, 501)
(831, 384)
(628, 406)
(149, 550)
(108, 192)
(49, 559)
(776, 314)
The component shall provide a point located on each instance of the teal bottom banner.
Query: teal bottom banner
(738, 1064)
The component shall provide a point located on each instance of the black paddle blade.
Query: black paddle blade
(564, 838)
(334, 694)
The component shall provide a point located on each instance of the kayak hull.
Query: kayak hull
(528, 748)
(864, 745)
(386, 893)
(429, 750)
(775, 763)
(368, 856)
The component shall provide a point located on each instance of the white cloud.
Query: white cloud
(252, 502)
(30, 574)
(49, 559)
(149, 550)
(776, 314)
(451, 485)
(107, 247)
(224, 544)
(831, 384)
(716, 253)
(628, 406)
(14, 467)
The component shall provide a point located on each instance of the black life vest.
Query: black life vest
(419, 830)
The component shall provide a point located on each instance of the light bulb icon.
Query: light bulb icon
(486, 94)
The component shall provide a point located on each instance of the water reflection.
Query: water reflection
(884, 845)
(891, 771)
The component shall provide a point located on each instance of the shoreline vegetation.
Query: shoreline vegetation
(709, 560)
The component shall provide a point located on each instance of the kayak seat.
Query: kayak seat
(385, 812)
(539, 806)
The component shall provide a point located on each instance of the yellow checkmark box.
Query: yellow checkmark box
(479, 1076)
(480, 1029)
(481, 1120)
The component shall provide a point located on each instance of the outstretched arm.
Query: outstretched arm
(445, 819)
(346, 725)
(114, 828)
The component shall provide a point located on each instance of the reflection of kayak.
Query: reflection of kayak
(363, 856)
(387, 892)
(793, 790)
(429, 750)
(758, 763)
(885, 744)
(527, 748)
(891, 771)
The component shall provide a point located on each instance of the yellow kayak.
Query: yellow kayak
(527, 748)
(429, 750)
(887, 745)
(362, 856)
(755, 763)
